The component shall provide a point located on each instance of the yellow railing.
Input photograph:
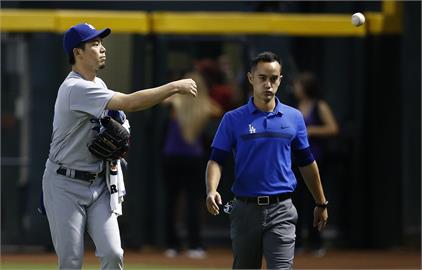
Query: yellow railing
(15, 20)
(388, 21)
(254, 23)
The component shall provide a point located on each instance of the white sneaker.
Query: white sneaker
(198, 253)
(171, 253)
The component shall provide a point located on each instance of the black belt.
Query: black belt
(80, 175)
(265, 200)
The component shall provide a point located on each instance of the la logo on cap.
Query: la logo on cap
(90, 26)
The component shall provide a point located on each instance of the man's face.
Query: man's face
(94, 54)
(265, 79)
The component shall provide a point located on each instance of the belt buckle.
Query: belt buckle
(263, 200)
(90, 177)
(93, 176)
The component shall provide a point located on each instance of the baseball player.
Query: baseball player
(262, 135)
(75, 192)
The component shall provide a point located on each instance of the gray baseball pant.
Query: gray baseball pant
(73, 206)
(263, 230)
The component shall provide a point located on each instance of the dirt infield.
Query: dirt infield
(221, 258)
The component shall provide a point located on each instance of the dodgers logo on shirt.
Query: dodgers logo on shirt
(251, 129)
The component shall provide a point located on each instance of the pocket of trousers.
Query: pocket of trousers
(295, 215)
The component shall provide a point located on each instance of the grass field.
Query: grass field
(23, 266)
(222, 259)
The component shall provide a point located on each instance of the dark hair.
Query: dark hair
(72, 60)
(266, 57)
(309, 84)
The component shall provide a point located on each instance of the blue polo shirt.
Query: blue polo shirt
(261, 143)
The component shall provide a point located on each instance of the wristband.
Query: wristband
(322, 205)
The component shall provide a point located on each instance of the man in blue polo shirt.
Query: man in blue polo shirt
(262, 135)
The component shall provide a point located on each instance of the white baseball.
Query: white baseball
(358, 19)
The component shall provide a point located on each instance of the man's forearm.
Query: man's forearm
(212, 176)
(312, 180)
(144, 99)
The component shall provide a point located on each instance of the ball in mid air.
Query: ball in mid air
(358, 19)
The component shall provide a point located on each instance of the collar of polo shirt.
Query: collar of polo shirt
(278, 107)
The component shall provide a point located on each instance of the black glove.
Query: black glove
(112, 142)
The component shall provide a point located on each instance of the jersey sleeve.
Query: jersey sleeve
(89, 98)
(224, 138)
(301, 139)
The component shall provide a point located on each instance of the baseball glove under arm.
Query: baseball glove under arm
(112, 142)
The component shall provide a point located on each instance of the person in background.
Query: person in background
(183, 158)
(219, 79)
(321, 125)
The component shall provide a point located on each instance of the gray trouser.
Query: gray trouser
(256, 230)
(73, 206)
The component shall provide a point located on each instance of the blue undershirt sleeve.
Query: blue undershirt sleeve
(303, 157)
(218, 155)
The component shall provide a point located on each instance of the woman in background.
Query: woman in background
(321, 125)
(183, 164)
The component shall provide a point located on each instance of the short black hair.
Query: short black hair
(266, 57)
(310, 84)
(72, 60)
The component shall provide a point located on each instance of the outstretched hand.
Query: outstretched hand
(186, 87)
(213, 202)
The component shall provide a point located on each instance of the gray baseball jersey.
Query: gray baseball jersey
(79, 105)
(75, 205)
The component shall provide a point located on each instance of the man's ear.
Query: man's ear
(250, 77)
(76, 51)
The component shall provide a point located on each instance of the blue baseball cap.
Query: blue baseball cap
(81, 33)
